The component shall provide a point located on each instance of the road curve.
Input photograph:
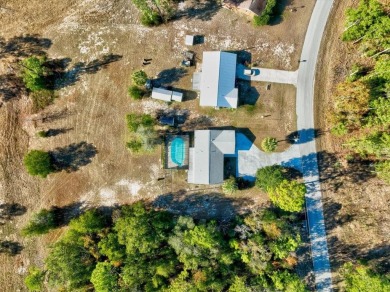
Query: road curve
(308, 153)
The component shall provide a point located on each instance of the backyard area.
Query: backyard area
(99, 45)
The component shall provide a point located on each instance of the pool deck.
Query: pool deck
(169, 164)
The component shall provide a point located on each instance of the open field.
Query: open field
(356, 203)
(89, 114)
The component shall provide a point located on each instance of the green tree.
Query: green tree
(239, 285)
(139, 78)
(230, 186)
(286, 281)
(360, 278)
(269, 177)
(269, 144)
(136, 92)
(284, 245)
(265, 16)
(382, 169)
(34, 72)
(34, 279)
(69, 264)
(38, 163)
(374, 144)
(40, 223)
(112, 249)
(289, 196)
(351, 103)
(92, 221)
(105, 278)
(380, 113)
(368, 22)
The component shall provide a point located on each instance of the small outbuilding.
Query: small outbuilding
(190, 40)
(162, 94)
(166, 95)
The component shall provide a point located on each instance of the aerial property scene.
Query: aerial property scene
(226, 145)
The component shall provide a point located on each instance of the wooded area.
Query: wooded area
(142, 249)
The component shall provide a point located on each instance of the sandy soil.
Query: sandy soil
(90, 110)
(356, 204)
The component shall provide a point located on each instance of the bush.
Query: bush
(34, 279)
(135, 92)
(38, 163)
(42, 98)
(361, 278)
(40, 223)
(151, 19)
(134, 146)
(382, 169)
(42, 134)
(33, 73)
(265, 16)
(261, 20)
(136, 120)
(269, 144)
(339, 130)
(139, 78)
(270, 177)
(230, 186)
(289, 196)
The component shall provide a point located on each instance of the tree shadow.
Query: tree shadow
(11, 248)
(57, 115)
(277, 13)
(342, 253)
(63, 215)
(303, 136)
(24, 46)
(356, 171)
(56, 132)
(11, 87)
(202, 206)
(201, 122)
(9, 210)
(73, 156)
(334, 215)
(202, 10)
(63, 76)
(169, 76)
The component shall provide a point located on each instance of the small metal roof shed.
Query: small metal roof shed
(177, 96)
(189, 40)
(162, 94)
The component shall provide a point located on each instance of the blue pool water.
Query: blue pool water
(178, 151)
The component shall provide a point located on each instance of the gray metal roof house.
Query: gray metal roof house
(217, 80)
(206, 158)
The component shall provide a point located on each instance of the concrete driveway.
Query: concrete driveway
(268, 75)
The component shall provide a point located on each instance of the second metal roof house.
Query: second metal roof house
(206, 158)
(217, 80)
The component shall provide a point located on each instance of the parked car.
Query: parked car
(249, 72)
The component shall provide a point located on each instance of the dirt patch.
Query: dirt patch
(356, 204)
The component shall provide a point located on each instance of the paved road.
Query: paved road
(303, 154)
(308, 152)
(268, 75)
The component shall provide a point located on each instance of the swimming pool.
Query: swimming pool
(178, 152)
